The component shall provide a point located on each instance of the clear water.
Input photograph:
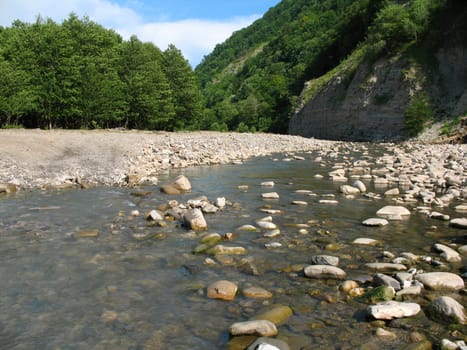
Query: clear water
(117, 292)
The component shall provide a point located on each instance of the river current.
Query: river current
(119, 291)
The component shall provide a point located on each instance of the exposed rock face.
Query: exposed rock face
(369, 104)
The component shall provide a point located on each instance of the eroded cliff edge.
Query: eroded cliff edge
(366, 101)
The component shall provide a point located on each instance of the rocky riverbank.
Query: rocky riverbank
(38, 158)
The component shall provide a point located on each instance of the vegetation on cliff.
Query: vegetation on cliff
(262, 74)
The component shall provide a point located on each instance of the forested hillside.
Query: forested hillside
(263, 74)
(78, 74)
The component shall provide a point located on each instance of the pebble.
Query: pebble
(262, 328)
(366, 241)
(324, 271)
(264, 343)
(386, 266)
(325, 260)
(375, 222)
(257, 293)
(459, 223)
(270, 195)
(224, 290)
(447, 253)
(390, 212)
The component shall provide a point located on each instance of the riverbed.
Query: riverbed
(82, 270)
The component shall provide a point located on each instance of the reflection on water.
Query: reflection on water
(116, 292)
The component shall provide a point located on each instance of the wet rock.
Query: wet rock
(257, 293)
(360, 185)
(266, 225)
(366, 241)
(386, 266)
(381, 293)
(462, 208)
(380, 279)
(277, 314)
(441, 280)
(7, 188)
(300, 203)
(267, 184)
(348, 285)
(170, 189)
(448, 253)
(325, 260)
(375, 222)
(86, 234)
(393, 309)
(349, 190)
(264, 343)
(383, 333)
(390, 212)
(224, 290)
(153, 215)
(211, 239)
(439, 216)
(459, 223)
(220, 202)
(248, 266)
(324, 271)
(194, 219)
(446, 309)
(270, 195)
(410, 290)
(250, 228)
(262, 328)
(392, 192)
(226, 250)
(182, 183)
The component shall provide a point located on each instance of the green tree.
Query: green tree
(184, 90)
(147, 89)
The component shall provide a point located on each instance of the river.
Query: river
(119, 291)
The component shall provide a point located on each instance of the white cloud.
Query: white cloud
(194, 37)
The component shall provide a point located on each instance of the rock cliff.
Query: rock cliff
(368, 103)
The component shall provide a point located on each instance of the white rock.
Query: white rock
(270, 195)
(325, 260)
(386, 267)
(441, 280)
(459, 223)
(266, 225)
(262, 328)
(195, 220)
(360, 185)
(365, 241)
(447, 309)
(393, 309)
(462, 208)
(375, 222)
(448, 253)
(220, 202)
(390, 212)
(324, 271)
(267, 184)
(349, 190)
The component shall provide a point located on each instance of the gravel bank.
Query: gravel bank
(40, 158)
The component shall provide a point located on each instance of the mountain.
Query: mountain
(340, 69)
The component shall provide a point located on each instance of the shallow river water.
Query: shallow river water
(118, 292)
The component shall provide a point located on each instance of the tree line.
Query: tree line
(78, 74)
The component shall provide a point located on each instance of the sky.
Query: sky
(193, 26)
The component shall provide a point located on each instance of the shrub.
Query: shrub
(417, 114)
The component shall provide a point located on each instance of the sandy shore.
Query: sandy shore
(41, 158)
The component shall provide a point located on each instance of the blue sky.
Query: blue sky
(195, 27)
